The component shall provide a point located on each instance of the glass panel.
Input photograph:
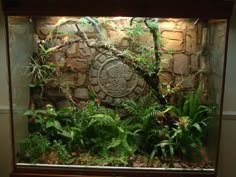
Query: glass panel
(21, 49)
(117, 92)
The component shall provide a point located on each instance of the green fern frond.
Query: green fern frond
(100, 120)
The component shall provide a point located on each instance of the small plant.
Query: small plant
(56, 125)
(193, 121)
(135, 30)
(41, 73)
(33, 147)
(61, 151)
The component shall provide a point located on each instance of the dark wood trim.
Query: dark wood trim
(123, 174)
(142, 8)
(10, 95)
(56, 175)
(29, 171)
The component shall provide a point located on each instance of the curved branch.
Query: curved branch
(96, 26)
(153, 31)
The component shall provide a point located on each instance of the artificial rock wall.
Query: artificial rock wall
(185, 59)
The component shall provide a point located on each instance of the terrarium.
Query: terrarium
(116, 95)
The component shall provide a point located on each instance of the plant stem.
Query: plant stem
(153, 81)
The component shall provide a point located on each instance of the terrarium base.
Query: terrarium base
(15, 174)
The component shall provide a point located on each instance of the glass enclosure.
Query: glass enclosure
(116, 92)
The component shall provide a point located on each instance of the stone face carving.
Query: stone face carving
(112, 80)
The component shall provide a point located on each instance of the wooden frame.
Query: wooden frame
(178, 9)
(171, 8)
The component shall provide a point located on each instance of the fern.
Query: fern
(143, 108)
(101, 120)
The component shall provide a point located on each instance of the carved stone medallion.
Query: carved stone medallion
(111, 80)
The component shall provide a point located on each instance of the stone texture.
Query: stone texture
(115, 37)
(93, 73)
(96, 89)
(203, 64)
(101, 95)
(111, 78)
(184, 82)
(44, 30)
(63, 104)
(181, 64)
(67, 29)
(82, 104)
(145, 38)
(108, 99)
(83, 50)
(77, 64)
(167, 25)
(81, 93)
(165, 78)
(191, 41)
(166, 62)
(94, 81)
(57, 42)
(204, 36)
(71, 51)
(185, 24)
(124, 43)
(67, 78)
(199, 33)
(59, 59)
(53, 92)
(81, 79)
(173, 40)
(175, 35)
(180, 36)
(88, 28)
(194, 63)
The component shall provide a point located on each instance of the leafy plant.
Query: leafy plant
(33, 147)
(193, 121)
(135, 30)
(61, 150)
(56, 125)
(163, 145)
(41, 73)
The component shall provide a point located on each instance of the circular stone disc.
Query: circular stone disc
(111, 80)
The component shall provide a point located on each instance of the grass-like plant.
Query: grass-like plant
(193, 120)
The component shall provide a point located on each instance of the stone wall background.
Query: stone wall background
(185, 50)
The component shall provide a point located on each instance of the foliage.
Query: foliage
(41, 73)
(194, 118)
(150, 127)
(61, 150)
(33, 147)
(184, 136)
(105, 133)
(143, 57)
(55, 124)
(136, 30)
(147, 116)
(83, 21)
